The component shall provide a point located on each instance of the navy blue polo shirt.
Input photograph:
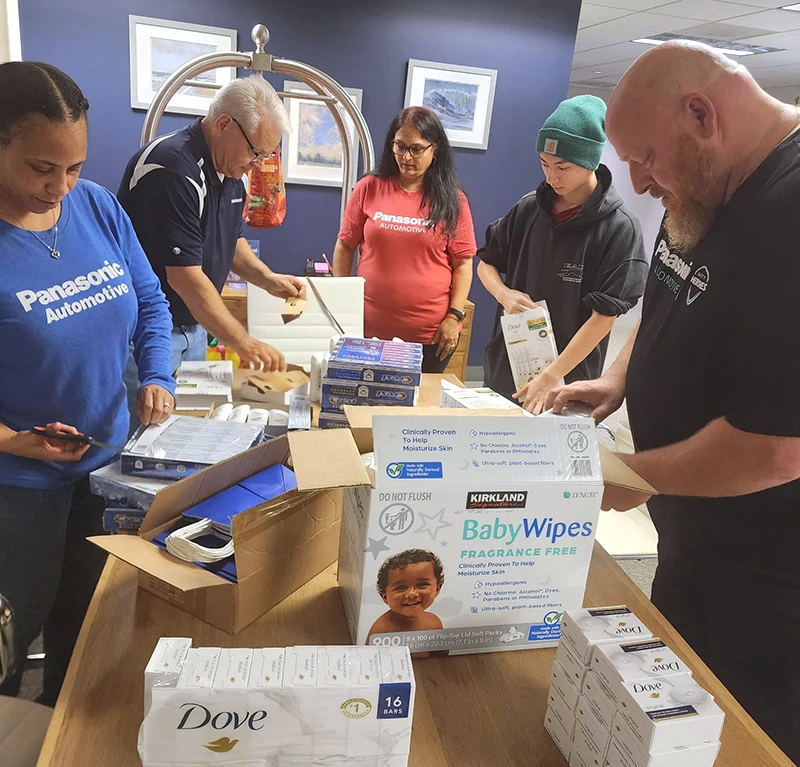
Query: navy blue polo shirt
(184, 214)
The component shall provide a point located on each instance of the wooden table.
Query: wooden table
(471, 711)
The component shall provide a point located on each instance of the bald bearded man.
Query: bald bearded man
(712, 375)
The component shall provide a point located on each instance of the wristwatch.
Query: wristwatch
(457, 314)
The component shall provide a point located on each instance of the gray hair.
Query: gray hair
(250, 100)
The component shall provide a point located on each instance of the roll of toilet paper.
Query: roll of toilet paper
(278, 418)
(222, 412)
(239, 414)
(258, 415)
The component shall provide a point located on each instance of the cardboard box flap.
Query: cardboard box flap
(325, 459)
(278, 382)
(616, 472)
(149, 558)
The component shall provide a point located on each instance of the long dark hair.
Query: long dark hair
(31, 88)
(440, 186)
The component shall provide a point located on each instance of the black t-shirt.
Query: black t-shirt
(718, 338)
(183, 213)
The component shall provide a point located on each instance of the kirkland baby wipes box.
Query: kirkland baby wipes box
(476, 535)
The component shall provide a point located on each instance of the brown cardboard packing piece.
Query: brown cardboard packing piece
(279, 545)
(292, 309)
(615, 472)
(272, 388)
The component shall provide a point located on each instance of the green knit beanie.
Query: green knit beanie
(575, 132)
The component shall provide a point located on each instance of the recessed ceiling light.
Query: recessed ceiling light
(795, 7)
(728, 51)
(597, 72)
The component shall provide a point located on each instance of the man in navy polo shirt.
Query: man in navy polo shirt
(185, 195)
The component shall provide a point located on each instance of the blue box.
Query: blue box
(375, 375)
(271, 483)
(337, 394)
(366, 352)
(117, 520)
(222, 507)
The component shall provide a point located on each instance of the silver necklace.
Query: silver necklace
(54, 252)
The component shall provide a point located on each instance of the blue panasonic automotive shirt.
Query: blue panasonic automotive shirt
(65, 331)
(183, 212)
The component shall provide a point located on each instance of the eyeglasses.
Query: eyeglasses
(256, 154)
(415, 150)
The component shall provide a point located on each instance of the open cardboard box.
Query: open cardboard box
(279, 545)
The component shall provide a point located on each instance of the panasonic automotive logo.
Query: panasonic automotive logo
(497, 500)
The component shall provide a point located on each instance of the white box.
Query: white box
(560, 681)
(592, 751)
(575, 669)
(623, 751)
(301, 667)
(200, 668)
(600, 732)
(562, 738)
(576, 760)
(165, 665)
(561, 710)
(268, 665)
(233, 669)
(668, 712)
(583, 629)
(530, 343)
(600, 699)
(482, 398)
(121, 490)
(630, 661)
(473, 518)
(202, 385)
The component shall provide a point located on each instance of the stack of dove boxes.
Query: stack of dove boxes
(619, 697)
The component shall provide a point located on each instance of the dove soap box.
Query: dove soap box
(165, 665)
(628, 661)
(476, 534)
(624, 751)
(669, 712)
(582, 630)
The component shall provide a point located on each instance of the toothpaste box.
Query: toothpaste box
(562, 738)
(122, 520)
(530, 343)
(165, 665)
(476, 535)
(372, 361)
(623, 751)
(123, 491)
(628, 661)
(334, 715)
(561, 683)
(337, 394)
(583, 629)
(668, 712)
(599, 699)
(333, 420)
(575, 669)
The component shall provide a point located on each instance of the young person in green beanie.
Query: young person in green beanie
(570, 243)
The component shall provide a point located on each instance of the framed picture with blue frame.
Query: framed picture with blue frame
(462, 97)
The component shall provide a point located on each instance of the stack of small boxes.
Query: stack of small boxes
(363, 371)
(277, 706)
(621, 698)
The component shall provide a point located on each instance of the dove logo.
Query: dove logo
(221, 746)
(198, 716)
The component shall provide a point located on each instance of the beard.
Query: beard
(692, 210)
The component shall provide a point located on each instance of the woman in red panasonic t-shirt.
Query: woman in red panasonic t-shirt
(413, 227)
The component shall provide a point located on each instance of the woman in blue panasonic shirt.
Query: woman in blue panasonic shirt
(76, 291)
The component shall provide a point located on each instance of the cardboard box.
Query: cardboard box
(275, 388)
(560, 681)
(279, 545)
(624, 751)
(482, 499)
(629, 661)
(669, 712)
(583, 629)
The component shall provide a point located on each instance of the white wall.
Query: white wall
(10, 43)
(787, 94)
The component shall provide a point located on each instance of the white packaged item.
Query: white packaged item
(560, 736)
(268, 666)
(599, 731)
(165, 665)
(299, 412)
(530, 343)
(575, 669)
(600, 699)
(593, 751)
(221, 412)
(629, 661)
(239, 414)
(123, 491)
(576, 760)
(623, 751)
(319, 364)
(203, 384)
(332, 344)
(583, 629)
(495, 514)
(258, 415)
(233, 669)
(200, 669)
(668, 712)
(561, 710)
(482, 398)
(365, 723)
(278, 417)
(560, 681)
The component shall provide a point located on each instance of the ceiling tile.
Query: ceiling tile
(763, 3)
(637, 5)
(779, 21)
(627, 28)
(609, 53)
(768, 60)
(597, 14)
(787, 40)
(705, 10)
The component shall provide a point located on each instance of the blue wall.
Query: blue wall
(361, 43)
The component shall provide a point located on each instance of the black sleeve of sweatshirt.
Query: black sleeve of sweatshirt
(622, 272)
